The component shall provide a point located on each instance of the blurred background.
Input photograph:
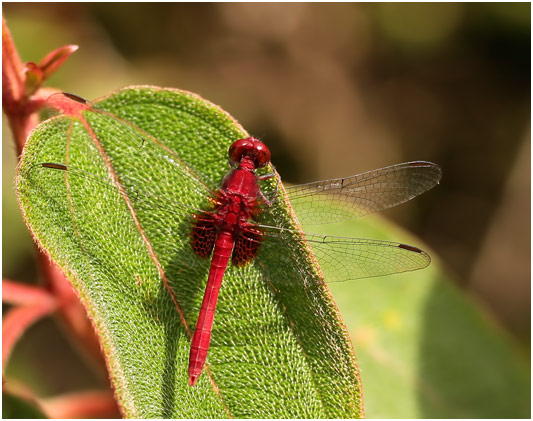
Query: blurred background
(333, 89)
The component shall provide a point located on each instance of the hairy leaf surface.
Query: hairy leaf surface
(115, 223)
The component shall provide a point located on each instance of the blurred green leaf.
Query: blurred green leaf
(16, 407)
(425, 349)
(279, 349)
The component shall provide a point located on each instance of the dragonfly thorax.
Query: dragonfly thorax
(234, 210)
(241, 183)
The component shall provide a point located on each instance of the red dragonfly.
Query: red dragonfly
(232, 229)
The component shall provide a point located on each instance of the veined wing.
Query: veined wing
(344, 258)
(340, 199)
(93, 211)
(59, 182)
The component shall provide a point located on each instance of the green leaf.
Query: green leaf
(279, 347)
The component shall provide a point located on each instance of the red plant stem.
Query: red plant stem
(21, 125)
(12, 68)
(23, 295)
(87, 404)
(20, 109)
(13, 98)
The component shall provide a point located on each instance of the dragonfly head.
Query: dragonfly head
(251, 147)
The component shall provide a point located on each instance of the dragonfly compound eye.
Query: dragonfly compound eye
(252, 147)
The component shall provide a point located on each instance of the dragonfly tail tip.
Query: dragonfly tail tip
(192, 379)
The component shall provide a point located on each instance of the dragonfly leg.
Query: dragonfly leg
(273, 195)
(266, 176)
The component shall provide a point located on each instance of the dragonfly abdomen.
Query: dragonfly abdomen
(202, 333)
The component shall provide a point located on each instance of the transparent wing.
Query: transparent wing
(344, 258)
(341, 258)
(56, 180)
(341, 199)
(119, 164)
